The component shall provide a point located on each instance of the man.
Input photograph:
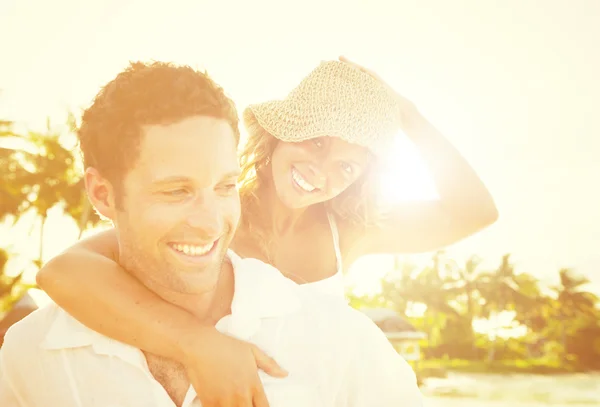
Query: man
(168, 184)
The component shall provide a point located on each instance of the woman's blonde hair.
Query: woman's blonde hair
(358, 204)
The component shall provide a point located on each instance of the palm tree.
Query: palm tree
(573, 306)
(504, 290)
(571, 295)
(41, 176)
(12, 194)
(464, 287)
(8, 284)
(428, 286)
(396, 284)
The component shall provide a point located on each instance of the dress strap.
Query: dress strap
(336, 240)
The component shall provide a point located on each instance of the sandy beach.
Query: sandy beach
(516, 390)
(462, 402)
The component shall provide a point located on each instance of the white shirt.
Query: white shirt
(335, 356)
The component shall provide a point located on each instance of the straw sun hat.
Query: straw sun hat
(337, 100)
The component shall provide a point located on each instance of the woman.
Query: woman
(309, 208)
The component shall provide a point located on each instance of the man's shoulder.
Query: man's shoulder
(29, 333)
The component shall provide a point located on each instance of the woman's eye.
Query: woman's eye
(318, 142)
(228, 188)
(347, 167)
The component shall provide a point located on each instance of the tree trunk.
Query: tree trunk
(496, 329)
(41, 253)
(563, 340)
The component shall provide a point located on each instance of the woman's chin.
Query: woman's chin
(292, 202)
(293, 198)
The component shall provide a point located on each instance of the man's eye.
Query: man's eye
(175, 192)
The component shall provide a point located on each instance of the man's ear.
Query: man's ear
(101, 193)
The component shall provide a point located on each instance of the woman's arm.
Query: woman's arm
(86, 281)
(464, 207)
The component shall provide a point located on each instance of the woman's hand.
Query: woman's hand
(407, 108)
(224, 370)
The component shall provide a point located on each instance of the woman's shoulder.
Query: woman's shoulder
(351, 239)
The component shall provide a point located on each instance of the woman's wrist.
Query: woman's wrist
(411, 119)
(187, 342)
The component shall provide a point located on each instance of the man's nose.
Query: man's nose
(205, 216)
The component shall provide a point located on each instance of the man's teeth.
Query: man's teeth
(302, 183)
(192, 250)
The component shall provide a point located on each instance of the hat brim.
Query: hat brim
(296, 128)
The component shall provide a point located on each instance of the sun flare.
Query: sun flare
(414, 182)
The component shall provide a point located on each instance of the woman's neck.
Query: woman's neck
(266, 221)
(283, 220)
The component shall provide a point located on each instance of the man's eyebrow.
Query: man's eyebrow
(180, 179)
(170, 180)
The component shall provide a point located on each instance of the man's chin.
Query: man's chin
(199, 284)
(199, 279)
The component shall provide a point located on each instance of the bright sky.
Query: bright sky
(514, 84)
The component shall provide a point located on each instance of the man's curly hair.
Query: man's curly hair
(144, 94)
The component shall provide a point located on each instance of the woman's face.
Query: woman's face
(315, 170)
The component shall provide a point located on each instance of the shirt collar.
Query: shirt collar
(261, 291)
(67, 333)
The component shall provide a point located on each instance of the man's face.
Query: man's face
(180, 206)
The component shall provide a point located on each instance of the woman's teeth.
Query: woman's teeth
(192, 250)
(302, 183)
